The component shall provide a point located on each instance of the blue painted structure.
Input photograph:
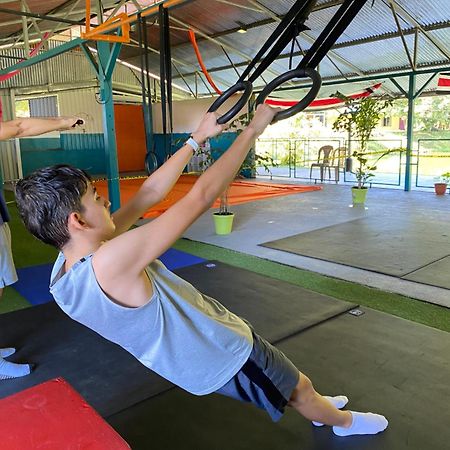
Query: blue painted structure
(219, 144)
(86, 151)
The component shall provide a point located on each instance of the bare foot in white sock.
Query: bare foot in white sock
(363, 423)
(5, 352)
(339, 401)
(13, 370)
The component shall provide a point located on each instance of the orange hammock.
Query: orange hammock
(239, 192)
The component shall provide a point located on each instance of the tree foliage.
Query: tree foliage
(359, 119)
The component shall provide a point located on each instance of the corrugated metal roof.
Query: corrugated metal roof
(370, 45)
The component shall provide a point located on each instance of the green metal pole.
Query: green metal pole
(105, 56)
(410, 130)
(44, 56)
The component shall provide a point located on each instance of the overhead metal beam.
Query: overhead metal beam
(38, 16)
(63, 48)
(407, 16)
(238, 5)
(400, 31)
(25, 29)
(220, 43)
(343, 44)
(374, 77)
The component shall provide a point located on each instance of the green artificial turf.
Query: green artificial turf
(27, 250)
(398, 305)
(12, 300)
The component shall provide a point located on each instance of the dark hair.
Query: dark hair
(47, 197)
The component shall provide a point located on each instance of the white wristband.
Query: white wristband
(192, 143)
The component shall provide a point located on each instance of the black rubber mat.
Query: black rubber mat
(393, 247)
(382, 363)
(108, 377)
(276, 309)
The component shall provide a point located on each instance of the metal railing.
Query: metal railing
(293, 158)
(431, 161)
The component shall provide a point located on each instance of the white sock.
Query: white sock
(13, 370)
(363, 423)
(5, 352)
(339, 401)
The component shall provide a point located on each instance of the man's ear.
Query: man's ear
(76, 221)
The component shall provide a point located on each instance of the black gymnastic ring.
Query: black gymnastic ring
(245, 86)
(304, 102)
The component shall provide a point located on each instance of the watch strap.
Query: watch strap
(193, 143)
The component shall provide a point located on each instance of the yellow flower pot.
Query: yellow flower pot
(223, 222)
(359, 195)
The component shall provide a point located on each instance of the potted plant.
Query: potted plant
(359, 119)
(440, 187)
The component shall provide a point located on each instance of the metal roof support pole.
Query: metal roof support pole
(410, 130)
(23, 8)
(107, 56)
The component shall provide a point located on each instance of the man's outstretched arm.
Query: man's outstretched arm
(24, 127)
(160, 183)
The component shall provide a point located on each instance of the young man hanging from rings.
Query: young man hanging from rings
(108, 278)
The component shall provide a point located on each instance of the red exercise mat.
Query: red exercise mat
(241, 191)
(53, 416)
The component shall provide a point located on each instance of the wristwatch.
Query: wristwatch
(193, 143)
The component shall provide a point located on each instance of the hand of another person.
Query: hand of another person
(263, 116)
(71, 122)
(207, 128)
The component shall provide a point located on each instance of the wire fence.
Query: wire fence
(294, 158)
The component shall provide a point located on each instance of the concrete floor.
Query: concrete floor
(265, 220)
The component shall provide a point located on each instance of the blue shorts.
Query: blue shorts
(267, 379)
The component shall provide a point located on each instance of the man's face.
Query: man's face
(97, 213)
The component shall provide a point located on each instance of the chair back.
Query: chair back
(325, 154)
(339, 156)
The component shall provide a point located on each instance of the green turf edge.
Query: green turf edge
(398, 305)
(12, 300)
(27, 250)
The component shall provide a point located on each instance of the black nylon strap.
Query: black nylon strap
(162, 69)
(281, 36)
(335, 27)
(168, 64)
(147, 70)
(144, 86)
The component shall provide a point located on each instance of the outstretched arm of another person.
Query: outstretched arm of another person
(24, 127)
(159, 184)
(134, 250)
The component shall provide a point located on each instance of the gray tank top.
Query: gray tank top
(186, 337)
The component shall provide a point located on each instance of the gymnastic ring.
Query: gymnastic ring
(304, 102)
(245, 86)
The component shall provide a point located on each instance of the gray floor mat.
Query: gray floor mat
(435, 274)
(393, 247)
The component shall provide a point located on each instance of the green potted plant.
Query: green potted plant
(359, 119)
(440, 187)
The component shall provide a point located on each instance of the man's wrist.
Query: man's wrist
(192, 143)
(198, 137)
